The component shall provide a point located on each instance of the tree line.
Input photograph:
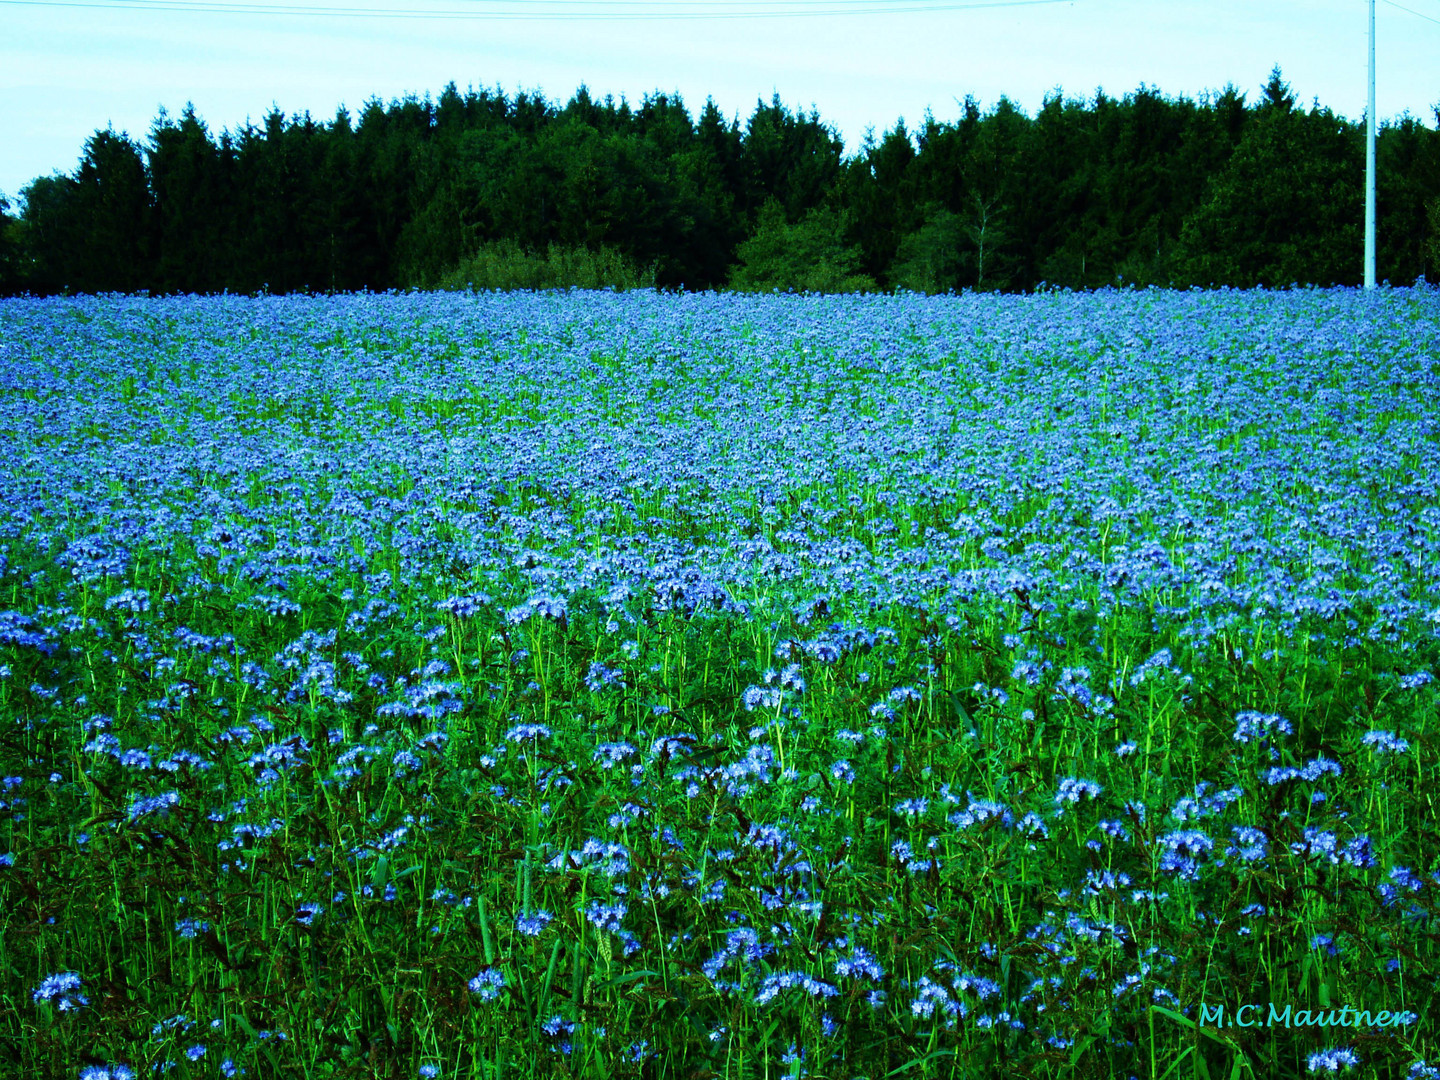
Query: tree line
(489, 189)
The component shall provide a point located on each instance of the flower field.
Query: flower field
(724, 686)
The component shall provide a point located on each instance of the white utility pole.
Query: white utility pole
(1370, 165)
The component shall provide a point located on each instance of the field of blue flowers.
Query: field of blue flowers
(716, 686)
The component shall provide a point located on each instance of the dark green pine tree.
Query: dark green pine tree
(1408, 196)
(936, 255)
(191, 197)
(110, 208)
(791, 157)
(52, 247)
(281, 206)
(349, 257)
(883, 201)
(997, 210)
(711, 173)
(1068, 192)
(383, 148)
(1283, 210)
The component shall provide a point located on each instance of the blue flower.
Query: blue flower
(1332, 1060)
(155, 804)
(1251, 844)
(532, 925)
(305, 914)
(1254, 725)
(611, 754)
(1115, 829)
(784, 980)
(1100, 881)
(1312, 771)
(912, 807)
(1073, 789)
(600, 676)
(464, 607)
(559, 1027)
(549, 607)
(606, 916)
(488, 984)
(982, 812)
(1383, 742)
(860, 965)
(135, 601)
(762, 697)
(1183, 849)
(1406, 878)
(1033, 827)
(63, 989)
(934, 996)
(435, 740)
(1326, 942)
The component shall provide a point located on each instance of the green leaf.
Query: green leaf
(1171, 1014)
(620, 980)
(1176, 1063)
(935, 1056)
(1185, 1021)
(960, 713)
(549, 978)
(485, 936)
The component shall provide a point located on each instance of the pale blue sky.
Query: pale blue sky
(66, 70)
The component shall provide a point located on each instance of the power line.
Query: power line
(1412, 11)
(791, 8)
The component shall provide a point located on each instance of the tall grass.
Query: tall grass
(601, 685)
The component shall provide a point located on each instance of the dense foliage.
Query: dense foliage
(677, 686)
(1141, 190)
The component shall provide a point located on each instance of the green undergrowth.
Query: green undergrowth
(817, 822)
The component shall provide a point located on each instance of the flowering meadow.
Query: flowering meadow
(719, 686)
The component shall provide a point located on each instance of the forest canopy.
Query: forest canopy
(486, 189)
